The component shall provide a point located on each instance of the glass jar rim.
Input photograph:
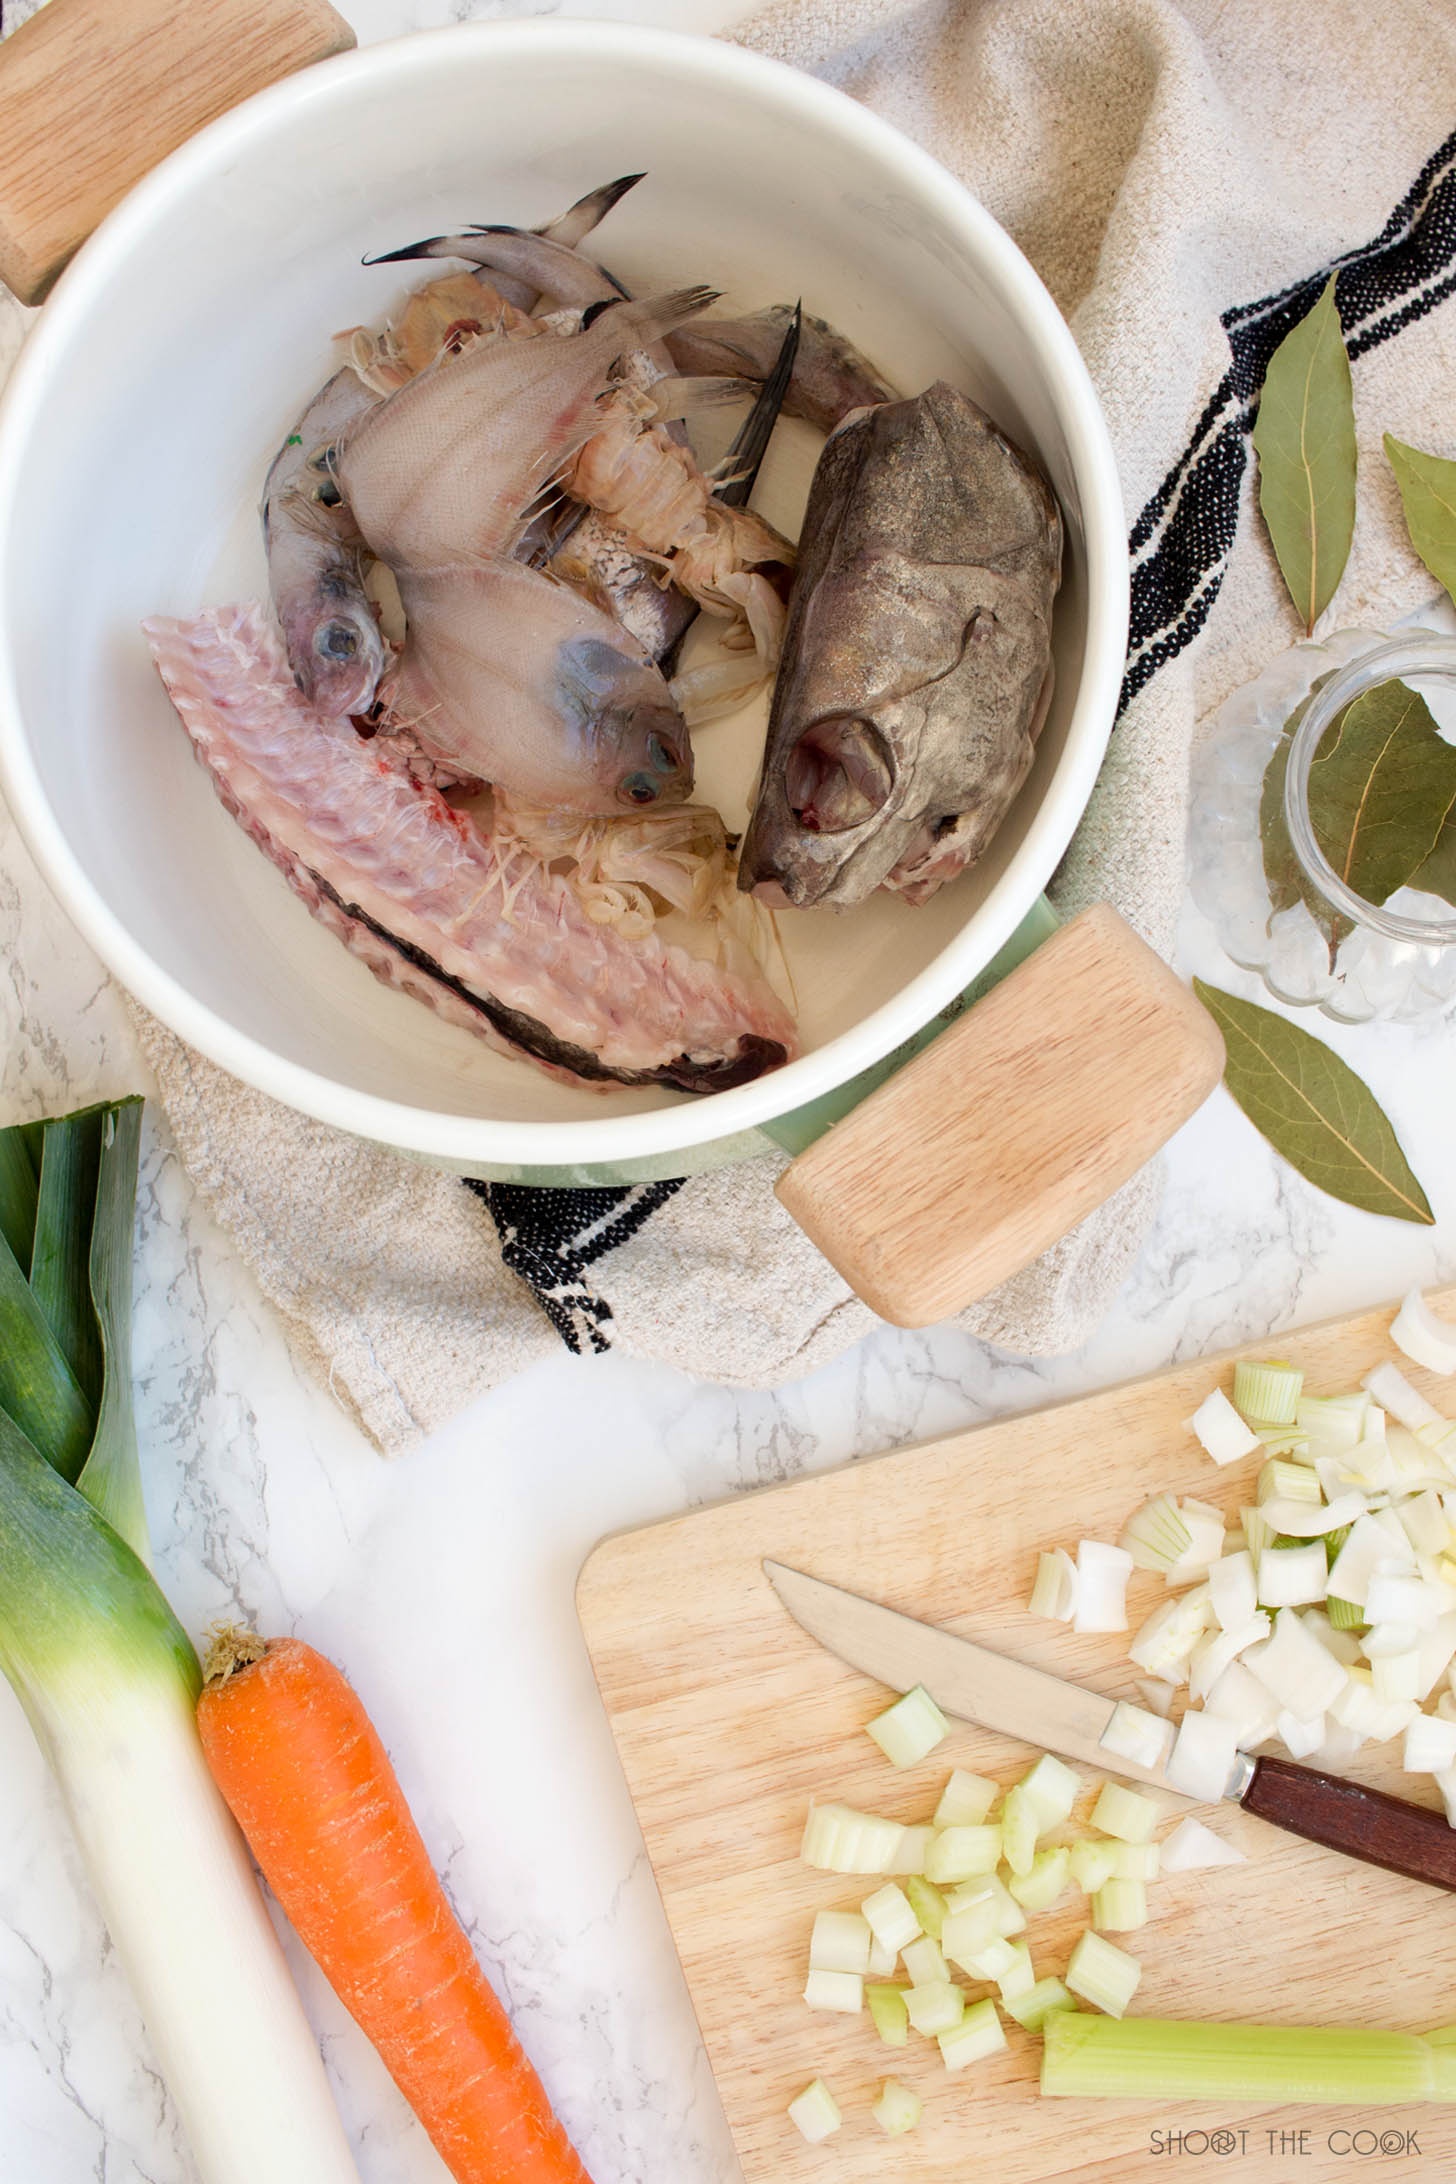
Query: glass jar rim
(1419, 653)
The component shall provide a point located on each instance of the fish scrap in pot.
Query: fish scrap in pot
(916, 659)
(486, 933)
(316, 559)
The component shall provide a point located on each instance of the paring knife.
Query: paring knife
(1014, 1700)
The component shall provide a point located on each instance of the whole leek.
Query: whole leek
(109, 1679)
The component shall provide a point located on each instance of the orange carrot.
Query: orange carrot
(310, 1784)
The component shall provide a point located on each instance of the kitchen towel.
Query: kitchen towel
(1184, 177)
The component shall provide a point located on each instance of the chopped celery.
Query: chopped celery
(992, 1962)
(1267, 1394)
(816, 2112)
(971, 1928)
(834, 1991)
(924, 1962)
(837, 1839)
(897, 2109)
(966, 1800)
(1052, 1788)
(1137, 1862)
(1093, 1862)
(909, 1729)
(882, 1960)
(977, 2035)
(1018, 1829)
(1031, 2009)
(1124, 1813)
(1017, 1977)
(890, 1917)
(1011, 1918)
(1103, 1974)
(927, 1902)
(959, 1854)
(936, 2007)
(888, 2014)
(1119, 1906)
(1039, 1889)
(909, 1852)
(1152, 2058)
(840, 1942)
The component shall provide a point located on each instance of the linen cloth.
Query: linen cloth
(1184, 177)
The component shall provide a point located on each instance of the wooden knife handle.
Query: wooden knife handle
(95, 92)
(1368, 1824)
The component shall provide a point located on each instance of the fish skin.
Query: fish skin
(829, 377)
(485, 933)
(316, 561)
(928, 560)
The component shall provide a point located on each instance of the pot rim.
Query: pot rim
(463, 1138)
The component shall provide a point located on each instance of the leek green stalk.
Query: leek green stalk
(109, 1680)
(1158, 2058)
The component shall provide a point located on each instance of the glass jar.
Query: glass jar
(1357, 960)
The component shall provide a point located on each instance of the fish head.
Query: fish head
(335, 645)
(619, 705)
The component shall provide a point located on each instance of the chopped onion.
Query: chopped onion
(1031, 2009)
(1395, 1676)
(1424, 1521)
(1103, 1974)
(1358, 1708)
(1394, 1596)
(965, 1800)
(837, 1839)
(1446, 1784)
(891, 1919)
(1125, 1813)
(1221, 1431)
(888, 2014)
(935, 2008)
(1249, 1708)
(1232, 1589)
(840, 1942)
(1390, 1388)
(1268, 1394)
(1214, 1653)
(1157, 1534)
(1437, 1649)
(1430, 1745)
(1201, 1763)
(909, 1729)
(1102, 1575)
(1135, 1735)
(978, 2034)
(1159, 1693)
(1425, 1339)
(1120, 1906)
(1336, 1639)
(1296, 1668)
(925, 1963)
(1314, 1520)
(816, 2112)
(1300, 1735)
(1292, 1577)
(1055, 1592)
(897, 2109)
(835, 1991)
(1168, 1637)
(1191, 1844)
(1368, 1544)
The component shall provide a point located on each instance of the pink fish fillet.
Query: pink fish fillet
(488, 935)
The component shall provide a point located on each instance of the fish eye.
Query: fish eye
(336, 641)
(638, 788)
(328, 495)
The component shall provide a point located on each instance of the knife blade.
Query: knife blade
(1010, 1697)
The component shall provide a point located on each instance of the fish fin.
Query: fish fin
(577, 222)
(433, 246)
(749, 448)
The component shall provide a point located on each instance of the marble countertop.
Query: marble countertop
(461, 1634)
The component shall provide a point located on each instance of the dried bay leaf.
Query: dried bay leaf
(1428, 495)
(1381, 787)
(1284, 875)
(1304, 437)
(1313, 1109)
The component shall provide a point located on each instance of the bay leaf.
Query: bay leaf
(1304, 437)
(1313, 1109)
(1381, 787)
(1437, 876)
(1428, 495)
(1284, 875)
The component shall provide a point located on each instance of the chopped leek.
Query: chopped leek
(1156, 1535)
(1032, 2008)
(840, 1942)
(978, 2034)
(109, 1680)
(897, 2109)
(1103, 1974)
(1344, 1614)
(1125, 1814)
(1280, 1481)
(909, 1729)
(1267, 1395)
(888, 2014)
(1191, 1844)
(891, 1918)
(835, 1991)
(1152, 2058)
(1390, 1388)
(1054, 1594)
(882, 1960)
(816, 2112)
(936, 2007)
(1221, 1431)
(966, 1800)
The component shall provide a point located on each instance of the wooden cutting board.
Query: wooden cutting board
(729, 1719)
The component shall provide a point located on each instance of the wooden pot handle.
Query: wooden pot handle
(1009, 1128)
(93, 93)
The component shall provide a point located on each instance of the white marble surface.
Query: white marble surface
(444, 1582)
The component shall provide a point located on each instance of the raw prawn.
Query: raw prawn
(475, 925)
